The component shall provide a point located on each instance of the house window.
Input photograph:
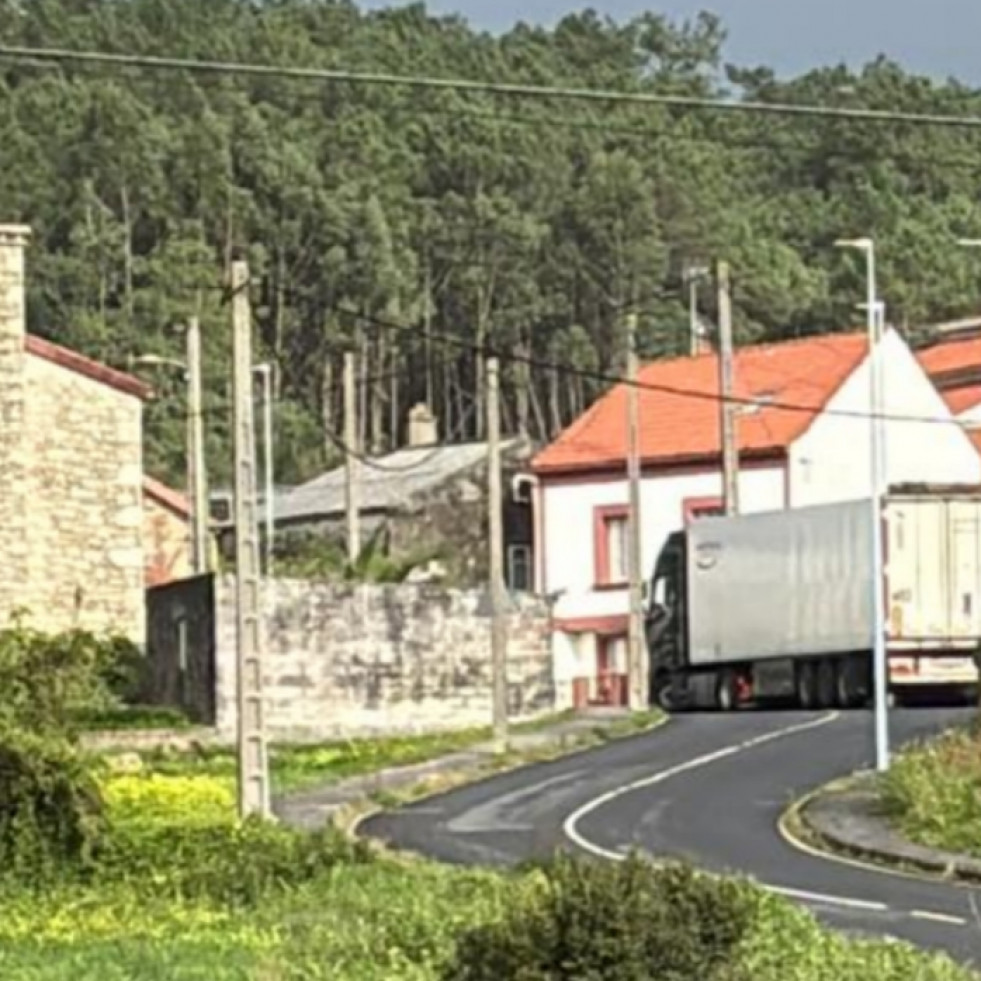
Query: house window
(694, 508)
(611, 527)
(519, 568)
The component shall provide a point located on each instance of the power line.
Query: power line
(523, 90)
(677, 390)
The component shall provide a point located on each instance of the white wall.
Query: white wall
(831, 461)
(567, 546)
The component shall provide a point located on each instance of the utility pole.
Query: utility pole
(197, 476)
(495, 504)
(253, 767)
(265, 373)
(637, 666)
(727, 407)
(352, 474)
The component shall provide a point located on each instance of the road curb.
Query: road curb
(820, 843)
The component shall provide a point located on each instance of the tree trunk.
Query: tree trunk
(522, 388)
(279, 320)
(554, 404)
(327, 407)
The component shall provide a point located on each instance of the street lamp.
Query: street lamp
(265, 371)
(880, 664)
(196, 472)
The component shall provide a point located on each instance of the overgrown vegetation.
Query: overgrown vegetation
(108, 875)
(932, 792)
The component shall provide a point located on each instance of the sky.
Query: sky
(941, 38)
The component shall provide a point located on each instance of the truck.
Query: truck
(779, 605)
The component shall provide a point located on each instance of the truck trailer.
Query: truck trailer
(779, 605)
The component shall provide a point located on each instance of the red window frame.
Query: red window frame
(693, 508)
(602, 517)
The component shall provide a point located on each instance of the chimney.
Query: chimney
(13, 306)
(422, 426)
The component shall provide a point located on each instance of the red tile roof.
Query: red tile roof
(167, 496)
(961, 399)
(82, 365)
(679, 422)
(939, 359)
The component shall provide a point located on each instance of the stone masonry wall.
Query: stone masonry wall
(84, 510)
(13, 465)
(364, 660)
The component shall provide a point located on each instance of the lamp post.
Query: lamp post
(265, 371)
(876, 442)
(196, 472)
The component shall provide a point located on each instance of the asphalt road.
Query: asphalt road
(708, 788)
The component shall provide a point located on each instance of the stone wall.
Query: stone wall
(85, 510)
(364, 660)
(14, 549)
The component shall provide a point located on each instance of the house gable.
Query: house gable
(832, 462)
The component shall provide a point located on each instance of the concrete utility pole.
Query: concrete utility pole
(495, 516)
(253, 767)
(197, 476)
(727, 407)
(352, 465)
(265, 372)
(636, 655)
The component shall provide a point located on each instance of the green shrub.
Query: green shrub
(619, 922)
(231, 864)
(51, 816)
(932, 792)
(48, 681)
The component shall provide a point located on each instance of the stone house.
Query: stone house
(71, 475)
(803, 437)
(166, 534)
(426, 497)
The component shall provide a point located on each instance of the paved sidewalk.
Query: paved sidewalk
(850, 820)
(312, 808)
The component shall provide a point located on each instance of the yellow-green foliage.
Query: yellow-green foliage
(165, 800)
(933, 792)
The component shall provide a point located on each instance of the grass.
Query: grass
(391, 919)
(932, 792)
(299, 767)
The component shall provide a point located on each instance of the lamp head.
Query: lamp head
(864, 244)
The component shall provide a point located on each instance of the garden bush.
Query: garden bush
(51, 816)
(232, 864)
(612, 922)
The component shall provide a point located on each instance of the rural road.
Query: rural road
(708, 788)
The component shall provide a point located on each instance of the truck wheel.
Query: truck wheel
(844, 689)
(805, 685)
(664, 695)
(825, 683)
(726, 692)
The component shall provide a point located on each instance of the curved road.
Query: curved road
(708, 788)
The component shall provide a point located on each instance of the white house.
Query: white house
(804, 438)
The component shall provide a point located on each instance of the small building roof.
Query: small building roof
(387, 482)
(171, 499)
(66, 358)
(679, 407)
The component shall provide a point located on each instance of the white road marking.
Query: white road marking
(923, 914)
(571, 831)
(817, 897)
(570, 825)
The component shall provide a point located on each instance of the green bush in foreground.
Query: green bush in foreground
(619, 922)
(932, 792)
(51, 816)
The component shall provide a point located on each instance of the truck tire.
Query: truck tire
(825, 683)
(726, 692)
(664, 697)
(848, 693)
(805, 684)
